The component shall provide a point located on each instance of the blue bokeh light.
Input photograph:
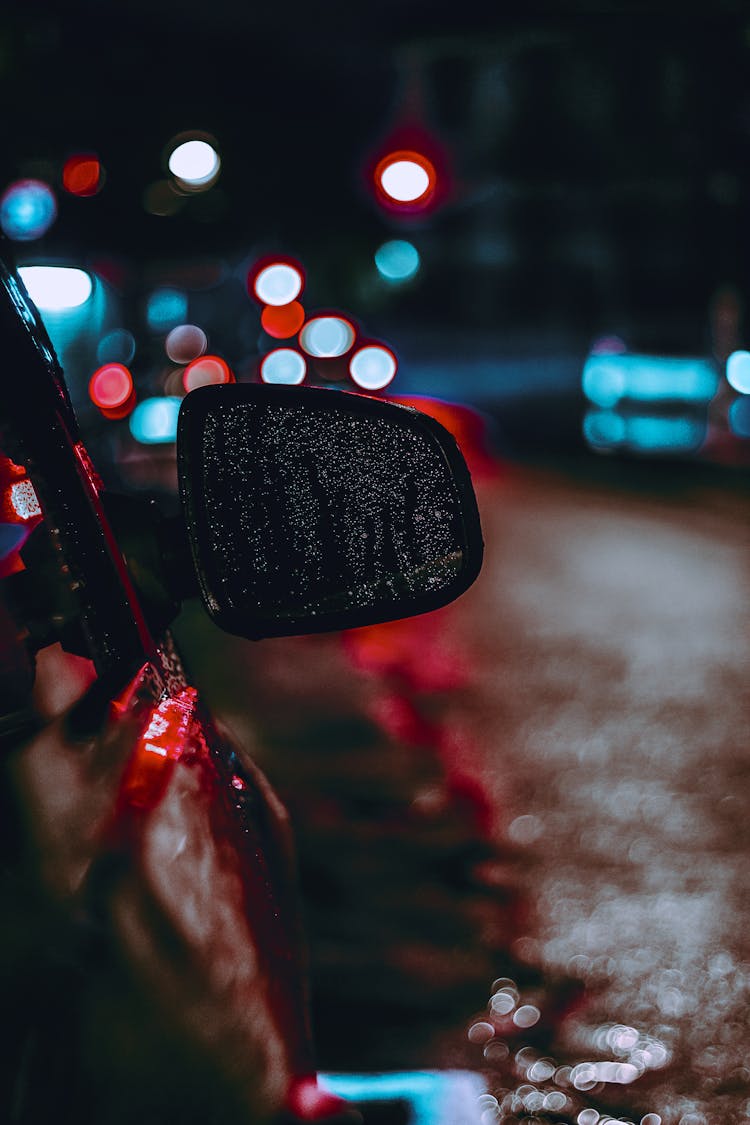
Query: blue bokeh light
(397, 260)
(610, 431)
(739, 417)
(165, 309)
(28, 209)
(154, 421)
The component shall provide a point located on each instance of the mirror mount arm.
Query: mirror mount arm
(157, 552)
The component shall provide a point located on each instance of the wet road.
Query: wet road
(524, 821)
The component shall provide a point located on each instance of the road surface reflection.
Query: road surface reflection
(523, 820)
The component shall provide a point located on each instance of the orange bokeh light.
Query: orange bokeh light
(282, 321)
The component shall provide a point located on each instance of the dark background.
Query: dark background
(595, 156)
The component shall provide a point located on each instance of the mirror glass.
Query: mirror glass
(306, 510)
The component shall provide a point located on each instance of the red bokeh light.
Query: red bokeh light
(111, 387)
(283, 321)
(82, 174)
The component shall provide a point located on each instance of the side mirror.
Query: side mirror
(310, 510)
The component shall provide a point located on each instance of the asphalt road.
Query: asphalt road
(538, 794)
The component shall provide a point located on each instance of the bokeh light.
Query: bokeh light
(282, 321)
(397, 260)
(28, 209)
(82, 174)
(194, 163)
(373, 367)
(609, 378)
(118, 346)
(154, 421)
(283, 365)
(327, 336)
(738, 371)
(111, 387)
(165, 308)
(739, 418)
(162, 198)
(405, 177)
(185, 342)
(56, 288)
(278, 283)
(205, 371)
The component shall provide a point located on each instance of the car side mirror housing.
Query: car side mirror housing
(310, 509)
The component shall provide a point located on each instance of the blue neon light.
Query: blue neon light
(608, 379)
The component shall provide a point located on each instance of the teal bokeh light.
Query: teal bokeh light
(154, 421)
(397, 260)
(165, 309)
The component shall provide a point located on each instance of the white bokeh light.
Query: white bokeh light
(279, 284)
(283, 365)
(54, 288)
(372, 367)
(195, 163)
(404, 180)
(327, 336)
(738, 371)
